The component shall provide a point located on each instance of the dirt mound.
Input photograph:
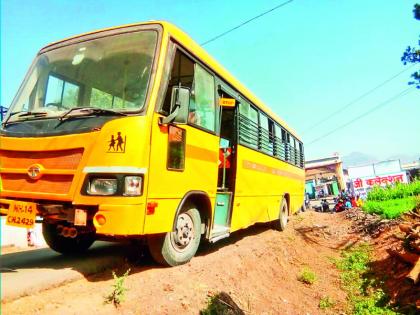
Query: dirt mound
(257, 267)
(388, 246)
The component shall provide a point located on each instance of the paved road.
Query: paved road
(35, 270)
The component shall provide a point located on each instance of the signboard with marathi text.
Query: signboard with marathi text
(383, 180)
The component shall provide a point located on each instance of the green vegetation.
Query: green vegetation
(391, 209)
(392, 201)
(326, 302)
(364, 292)
(397, 191)
(307, 276)
(221, 304)
(117, 295)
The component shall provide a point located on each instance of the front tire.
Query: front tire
(66, 245)
(179, 246)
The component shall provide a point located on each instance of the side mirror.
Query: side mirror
(180, 101)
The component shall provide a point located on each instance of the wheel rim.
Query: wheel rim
(184, 233)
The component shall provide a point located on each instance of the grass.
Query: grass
(307, 276)
(364, 292)
(391, 208)
(117, 296)
(326, 302)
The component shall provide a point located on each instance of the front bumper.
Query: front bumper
(107, 219)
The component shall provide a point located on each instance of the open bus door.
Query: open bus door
(227, 167)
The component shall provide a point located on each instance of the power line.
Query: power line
(403, 93)
(246, 22)
(356, 100)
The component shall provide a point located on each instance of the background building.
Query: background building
(324, 176)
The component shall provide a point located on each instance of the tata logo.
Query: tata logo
(35, 171)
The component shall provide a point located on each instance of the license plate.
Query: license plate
(80, 217)
(21, 214)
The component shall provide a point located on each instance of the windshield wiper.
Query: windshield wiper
(84, 111)
(24, 114)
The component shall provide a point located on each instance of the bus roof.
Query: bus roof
(185, 40)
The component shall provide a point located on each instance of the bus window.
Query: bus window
(202, 104)
(279, 143)
(285, 141)
(186, 73)
(103, 99)
(182, 74)
(294, 150)
(264, 143)
(248, 125)
(100, 99)
(61, 93)
(176, 148)
(301, 156)
(288, 147)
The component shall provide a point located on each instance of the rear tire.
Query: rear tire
(281, 223)
(66, 245)
(179, 246)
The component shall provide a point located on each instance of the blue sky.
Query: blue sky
(305, 60)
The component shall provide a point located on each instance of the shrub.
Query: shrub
(118, 294)
(364, 292)
(307, 276)
(326, 302)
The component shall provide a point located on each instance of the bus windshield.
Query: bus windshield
(111, 73)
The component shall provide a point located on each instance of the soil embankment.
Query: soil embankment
(258, 267)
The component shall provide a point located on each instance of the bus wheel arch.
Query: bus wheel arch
(180, 244)
(202, 203)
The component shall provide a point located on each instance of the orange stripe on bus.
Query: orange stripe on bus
(269, 170)
(198, 153)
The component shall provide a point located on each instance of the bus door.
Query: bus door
(226, 166)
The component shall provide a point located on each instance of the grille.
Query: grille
(51, 160)
(64, 159)
(57, 184)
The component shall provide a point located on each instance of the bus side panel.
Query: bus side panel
(261, 182)
(168, 187)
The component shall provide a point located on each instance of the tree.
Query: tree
(417, 11)
(412, 54)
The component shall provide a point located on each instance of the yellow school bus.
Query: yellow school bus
(136, 132)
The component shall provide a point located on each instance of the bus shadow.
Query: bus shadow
(100, 257)
(44, 268)
(208, 248)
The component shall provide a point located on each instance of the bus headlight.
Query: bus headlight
(102, 186)
(133, 185)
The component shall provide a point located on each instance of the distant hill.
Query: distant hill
(359, 158)
(405, 158)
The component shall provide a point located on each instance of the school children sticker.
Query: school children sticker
(117, 143)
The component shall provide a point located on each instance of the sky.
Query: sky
(306, 60)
